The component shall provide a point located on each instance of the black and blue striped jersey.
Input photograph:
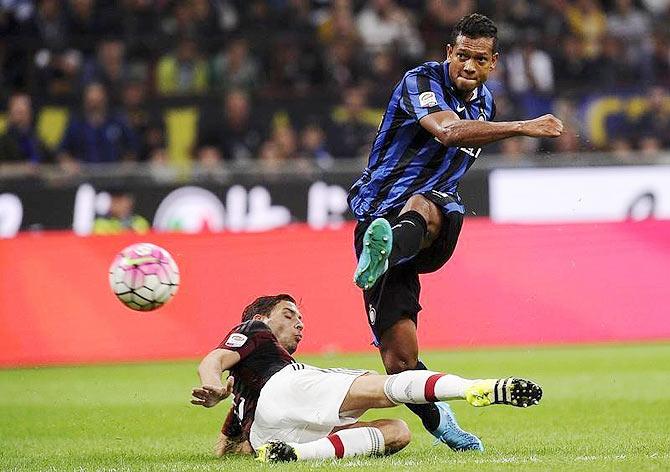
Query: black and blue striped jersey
(405, 158)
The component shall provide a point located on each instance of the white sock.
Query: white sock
(424, 386)
(365, 441)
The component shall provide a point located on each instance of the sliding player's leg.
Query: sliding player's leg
(379, 437)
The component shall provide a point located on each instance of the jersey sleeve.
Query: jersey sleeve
(246, 337)
(421, 95)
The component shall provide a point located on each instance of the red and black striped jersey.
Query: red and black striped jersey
(261, 356)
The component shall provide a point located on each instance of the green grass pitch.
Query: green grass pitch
(604, 408)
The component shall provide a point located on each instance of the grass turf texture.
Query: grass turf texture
(604, 408)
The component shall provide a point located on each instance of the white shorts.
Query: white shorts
(301, 403)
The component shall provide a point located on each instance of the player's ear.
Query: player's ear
(450, 50)
(258, 317)
(494, 61)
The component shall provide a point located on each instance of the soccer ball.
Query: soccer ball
(144, 276)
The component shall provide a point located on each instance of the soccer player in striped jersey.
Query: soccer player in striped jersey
(407, 204)
(284, 410)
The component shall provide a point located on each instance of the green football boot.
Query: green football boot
(373, 262)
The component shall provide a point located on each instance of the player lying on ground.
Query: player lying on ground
(285, 410)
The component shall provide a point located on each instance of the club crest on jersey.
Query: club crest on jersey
(427, 99)
(372, 315)
(236, 340)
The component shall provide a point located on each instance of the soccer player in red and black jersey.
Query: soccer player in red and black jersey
(284, 410)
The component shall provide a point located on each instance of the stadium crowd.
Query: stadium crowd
(280, 80)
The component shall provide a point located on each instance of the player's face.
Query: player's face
(285, 321)
(470, 62)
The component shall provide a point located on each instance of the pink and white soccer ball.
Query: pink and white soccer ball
(144, 276)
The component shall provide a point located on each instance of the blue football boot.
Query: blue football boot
(452, 435)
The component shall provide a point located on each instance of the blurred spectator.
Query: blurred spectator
(145, 121)
(339, 25)
(121, 217)
(652, 129)
(628, 22)
(294, 67)
(613, 69)
(313, 146)
(570, 141)
(231, 135)
(382, 24)
(350, 132)
(574, 71)
(205, 21)
(530, 76)
(108, 67)
(19, 143)
(439, 19)
(280, 153)
(513, 149)
(342, 63)
(657, 7)
(179, 19)
(519, 18)
(622, 149)
(235, 68)
(57, 73)
(182, 71)
(286, 139)
(587, 20)
(295, 16)
(140, 20)
(658, 69)
(50, 23)
(384, 68)
(98, 135)
(84, 25)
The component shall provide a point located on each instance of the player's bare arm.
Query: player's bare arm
(212, 390)
(232, 445)
(450, 130)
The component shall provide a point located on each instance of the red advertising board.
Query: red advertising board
(506, 285)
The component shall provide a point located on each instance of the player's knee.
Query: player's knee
(396, 364)
(430, 212)
(396, 435)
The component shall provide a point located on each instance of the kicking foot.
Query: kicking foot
(372, 264)
(510, 391)
(452, 435)
(276, 451)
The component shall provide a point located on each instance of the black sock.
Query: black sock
(409, 229)
(429, 414)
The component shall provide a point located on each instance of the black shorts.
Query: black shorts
(396, 295)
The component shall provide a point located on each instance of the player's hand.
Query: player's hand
(545, 126)
(210, 395)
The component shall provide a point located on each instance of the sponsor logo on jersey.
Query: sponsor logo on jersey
(460, 108)
(474, 152)
(427, 99)
(236, 340)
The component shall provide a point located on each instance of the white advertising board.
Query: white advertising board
(554, 195)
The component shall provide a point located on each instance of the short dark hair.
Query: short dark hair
(264, 305)
(476, 26)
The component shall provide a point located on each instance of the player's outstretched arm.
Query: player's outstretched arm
(450, 130)
(212, 390)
